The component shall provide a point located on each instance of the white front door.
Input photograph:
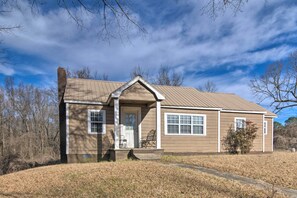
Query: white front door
(130, 127)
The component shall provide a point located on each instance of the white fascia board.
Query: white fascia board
(194, 108)
(83, 102)
(250, 112)
(117, 93)
(270, 116)
(214, 109)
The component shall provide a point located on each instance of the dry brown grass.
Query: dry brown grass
(125, 179)
(279, 168)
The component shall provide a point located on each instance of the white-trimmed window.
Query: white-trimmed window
(239, 123)
(265, 127)
(96, 121)
(185, 124)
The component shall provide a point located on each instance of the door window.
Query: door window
(130, 119)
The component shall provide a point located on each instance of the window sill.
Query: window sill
(89, 133)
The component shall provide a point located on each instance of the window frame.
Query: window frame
(179, 124)
(265, 127)
(235, 121)
(103, 122)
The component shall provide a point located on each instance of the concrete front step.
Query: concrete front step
(136, 153)
(147, 156)
(148, 150)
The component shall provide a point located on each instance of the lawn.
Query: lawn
(120, 179)
(279, 168)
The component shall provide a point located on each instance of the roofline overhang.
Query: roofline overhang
(270, 116)
(216, 109)
(180, 107)
(243, 111)
(117, 93)
(84, 102)
(195, 108)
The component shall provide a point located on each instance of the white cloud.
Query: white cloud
(6, 70)
(191, 43)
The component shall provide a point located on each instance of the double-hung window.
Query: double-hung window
(185, 124)
(96, 121)
(265, 127)
(239, 123)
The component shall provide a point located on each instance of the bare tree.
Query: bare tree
(278, 84)
(28, 121)
(3, 11)
(167, 76)
(214, 7)
(114, 18)
(140, 71)
(85, 73)
(103, 76)
(209, 86)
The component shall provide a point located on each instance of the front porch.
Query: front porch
(137, 121)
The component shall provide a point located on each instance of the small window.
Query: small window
(239, 123)
(96, 122)
(185, 124)
(198, 123)
(265, 127)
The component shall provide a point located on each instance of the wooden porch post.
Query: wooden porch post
(158, 127)
(116, 123)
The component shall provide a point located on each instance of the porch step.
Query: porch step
(148, 156)
(136, 153)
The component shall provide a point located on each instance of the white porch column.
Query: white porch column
(116, 123)
(263, 134)
(219, 131)
(158, 127)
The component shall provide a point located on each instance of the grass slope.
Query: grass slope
(279, 168)
(119, 179)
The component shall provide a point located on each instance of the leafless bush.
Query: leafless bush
(280, 142)
(12, 162)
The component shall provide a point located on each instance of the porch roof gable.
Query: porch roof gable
(117, 93)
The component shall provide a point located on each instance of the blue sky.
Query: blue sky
(229, 50)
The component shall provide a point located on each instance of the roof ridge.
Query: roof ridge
(113, 81)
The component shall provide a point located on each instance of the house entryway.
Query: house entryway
(130, 127)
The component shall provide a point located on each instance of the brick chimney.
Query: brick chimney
(62, 81)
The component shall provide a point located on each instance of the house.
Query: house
(113, 120)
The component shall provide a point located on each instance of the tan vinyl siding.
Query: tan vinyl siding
(148, 122)
(191, 143)
(80, 142)
(137, 92)
(227, 120)
(268, 137)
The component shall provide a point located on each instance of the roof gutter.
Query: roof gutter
(196, 108)
(242, 111)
